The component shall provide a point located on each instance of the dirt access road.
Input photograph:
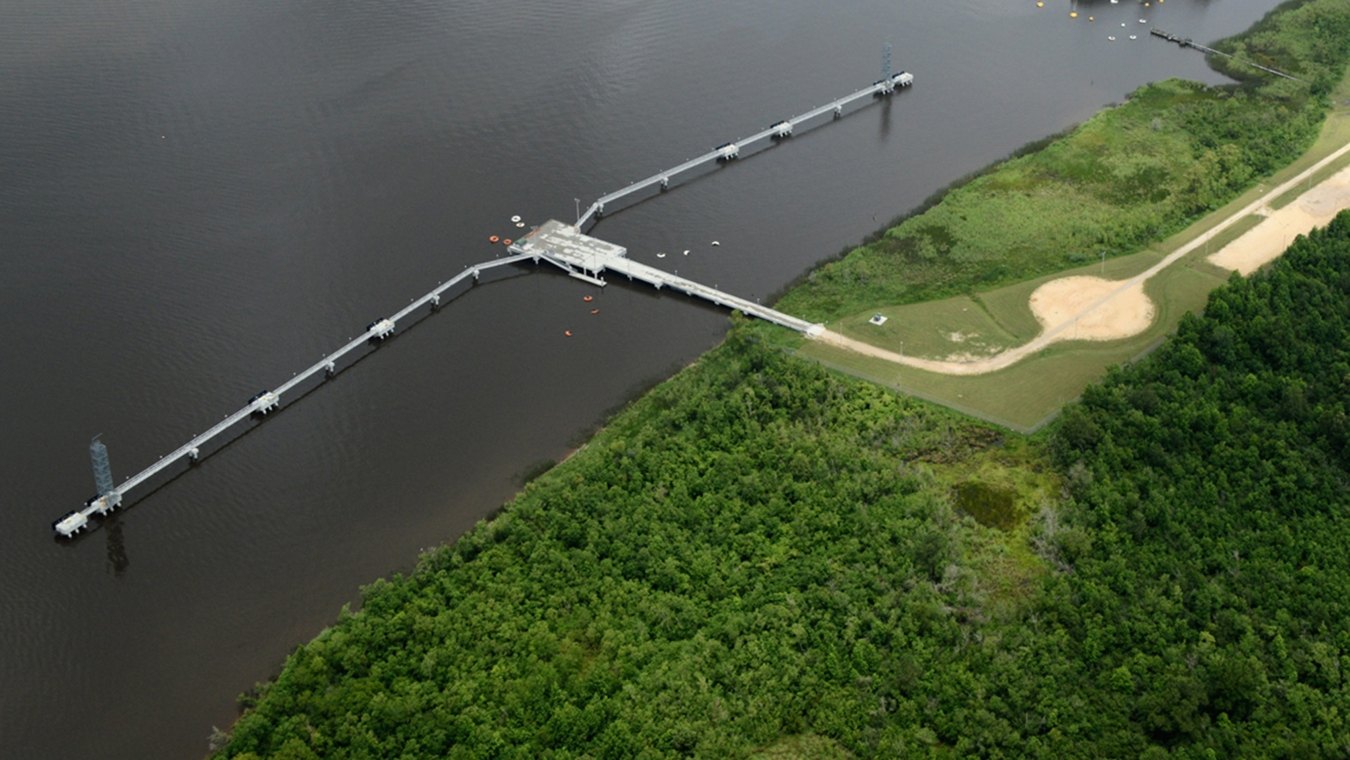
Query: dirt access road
(1090, 308)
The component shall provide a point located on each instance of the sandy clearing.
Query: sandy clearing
(1060, 322)
(1267, 240)
(1070, 299)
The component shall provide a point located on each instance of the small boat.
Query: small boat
(1134, 36)
(716, 243)
(686, 252)
(595, 311)
(661, 255)
(493, 239)
(515, 218)
(520, 224)
(1112, 37)
(567, 333)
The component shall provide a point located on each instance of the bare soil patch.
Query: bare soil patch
(1267, 240)
(1099, 309)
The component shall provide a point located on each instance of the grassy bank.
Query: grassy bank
(1128, 177)
(1133, 184)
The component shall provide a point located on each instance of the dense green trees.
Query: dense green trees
(735, 559)
(1308, 40)
(760, 550)
(1219, 508)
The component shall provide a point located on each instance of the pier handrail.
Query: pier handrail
(885, 86)
(106, 502)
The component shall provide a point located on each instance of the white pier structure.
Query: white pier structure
(267, 401)
(731, 150)
(586, 258)
(562, 245)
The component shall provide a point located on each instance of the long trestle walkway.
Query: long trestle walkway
(731, 150)
(556, 243)
(267, 401)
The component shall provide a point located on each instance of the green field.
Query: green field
(981, 323)
(1025, 396)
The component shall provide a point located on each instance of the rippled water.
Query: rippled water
(199, 199)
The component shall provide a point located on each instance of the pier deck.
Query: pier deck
(568, 247)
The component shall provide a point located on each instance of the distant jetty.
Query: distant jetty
(1187, 42)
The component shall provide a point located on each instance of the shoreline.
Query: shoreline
(1244, 263)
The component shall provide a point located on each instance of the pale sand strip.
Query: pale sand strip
(1267, 240)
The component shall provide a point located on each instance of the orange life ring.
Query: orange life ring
(568, 333)
(506, 241)
(588, 299)
(493, 239)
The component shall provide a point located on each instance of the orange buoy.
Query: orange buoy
(587, 299)
(506, 241)
(493, 238)
(568, 333)
(595, 311)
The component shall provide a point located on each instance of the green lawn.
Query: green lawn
(1025, 396)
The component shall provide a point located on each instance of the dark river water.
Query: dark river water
(198, 199)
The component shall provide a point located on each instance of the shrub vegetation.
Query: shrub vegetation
(1128, 177)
